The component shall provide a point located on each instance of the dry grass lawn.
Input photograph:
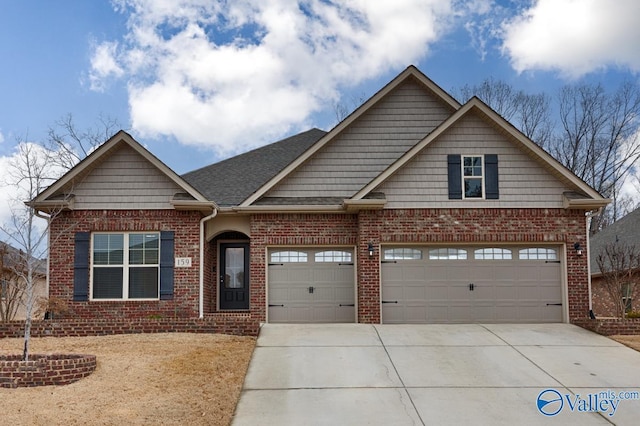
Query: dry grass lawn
(141, 379)
(631, 341)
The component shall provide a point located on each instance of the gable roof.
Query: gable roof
(625, 231)
(409, 72)
(231, 181)
(58, 195)
(587, 197)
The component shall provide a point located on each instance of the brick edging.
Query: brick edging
(236, 324)
(44, 370)
(610, 326)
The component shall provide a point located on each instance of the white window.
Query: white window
(538, 253)
(125, 266)
(333, 256)
(288, 256)
(473, 177)
(492, 254)
(447, 254)
(402, 253)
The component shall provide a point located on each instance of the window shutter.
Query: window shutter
(81, 267)
(491, 172)
(455, 177)
(166, 265)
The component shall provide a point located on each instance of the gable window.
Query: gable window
(125, 266)
(473, 177)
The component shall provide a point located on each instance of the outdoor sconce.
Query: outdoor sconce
(578, 249)
(370, 249)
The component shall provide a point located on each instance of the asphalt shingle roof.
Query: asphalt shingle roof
(624, 231)
(231, 181)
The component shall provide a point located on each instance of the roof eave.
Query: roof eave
(584, 203)
(351, 205)
(201, 206)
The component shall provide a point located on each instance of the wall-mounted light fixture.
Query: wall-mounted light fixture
(370, 249)
(578, 248)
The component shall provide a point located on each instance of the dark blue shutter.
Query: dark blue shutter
(491, 176)
(455, 177)
(81, 267)
(166, 265)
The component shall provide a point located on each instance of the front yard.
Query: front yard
(162, 379)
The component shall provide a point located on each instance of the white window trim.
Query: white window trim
(483, 177)
(125, 266)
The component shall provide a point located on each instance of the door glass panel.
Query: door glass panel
(234, 267)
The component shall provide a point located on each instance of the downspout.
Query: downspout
(590, 215)
(39, 214)
(202, 238)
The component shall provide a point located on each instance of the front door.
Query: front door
(234, 276)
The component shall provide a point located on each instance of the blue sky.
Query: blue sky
(199, 80)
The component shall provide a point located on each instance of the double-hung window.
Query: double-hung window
(125, 266)
(473, 177)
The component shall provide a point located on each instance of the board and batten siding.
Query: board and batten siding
(422, 182)
(125, 180)
(368, 146)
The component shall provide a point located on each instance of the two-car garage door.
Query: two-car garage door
(311, 285)
(471, 285)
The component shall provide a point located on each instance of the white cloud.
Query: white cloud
(104, 65)
(235, 74)
(1, 136)
(574, 37)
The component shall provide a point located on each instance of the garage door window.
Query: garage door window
(402, 253)
(333, 256)
(538, 253)
(492, 254)
(447, 254)
(288, 256)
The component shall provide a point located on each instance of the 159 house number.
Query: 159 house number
(183, 262)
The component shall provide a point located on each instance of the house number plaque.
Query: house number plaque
(183, 262)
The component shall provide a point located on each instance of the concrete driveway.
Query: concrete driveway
(354, 374)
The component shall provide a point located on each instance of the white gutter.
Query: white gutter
(202, 238)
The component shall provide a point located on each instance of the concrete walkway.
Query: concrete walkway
(357, 374)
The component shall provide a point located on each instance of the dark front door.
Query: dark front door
(234, 276)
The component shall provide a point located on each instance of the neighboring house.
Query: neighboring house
(13, 286)
(625, 232)
(414, 209)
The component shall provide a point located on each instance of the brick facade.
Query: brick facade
(185, 303)
(603, 304)
(379, 227)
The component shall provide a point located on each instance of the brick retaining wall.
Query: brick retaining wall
(610, 326)
(237, 324)
(44, 370)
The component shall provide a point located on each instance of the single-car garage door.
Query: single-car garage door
(471, 285)
(311, 285)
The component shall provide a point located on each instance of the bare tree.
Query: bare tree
(343, 109)
(31, 170)
(13, 289)
(34, 168)
(530, 113)
(619, 264)
(596, 136)
(72, 145)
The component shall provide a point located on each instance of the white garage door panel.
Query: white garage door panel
(504, 290)
(308, 291)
